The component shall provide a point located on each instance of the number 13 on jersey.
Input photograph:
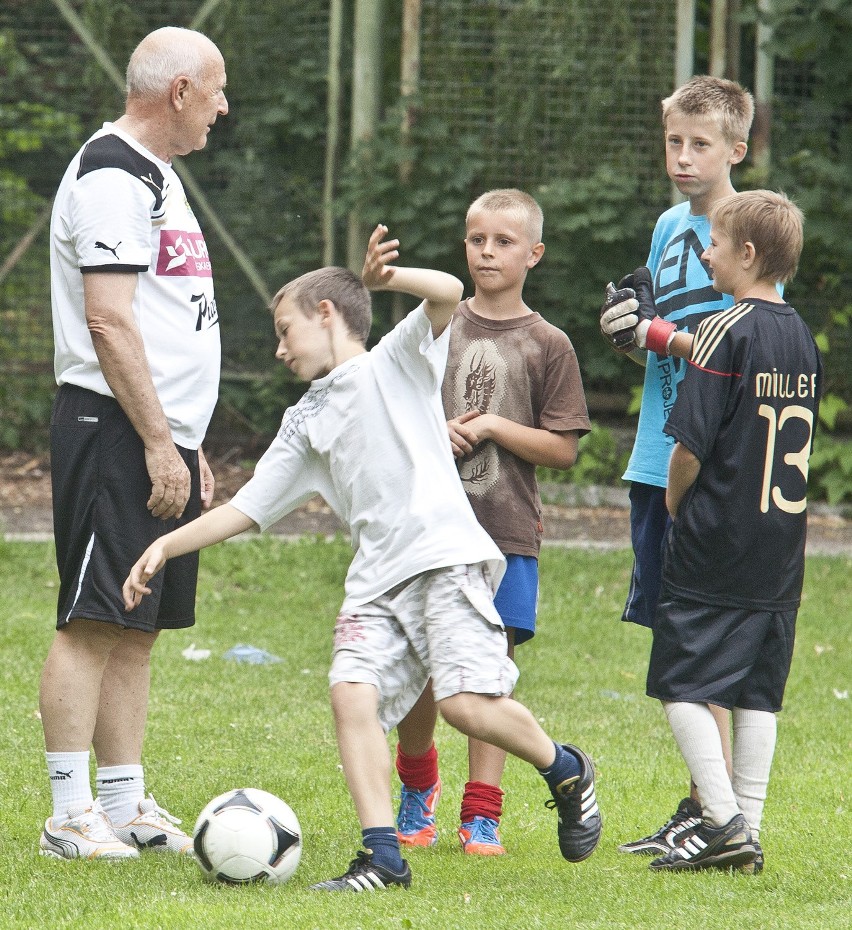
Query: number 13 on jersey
(796, 459)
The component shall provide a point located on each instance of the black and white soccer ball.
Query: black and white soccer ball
(247, 835)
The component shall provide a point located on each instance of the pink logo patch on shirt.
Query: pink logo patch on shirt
(183, 253)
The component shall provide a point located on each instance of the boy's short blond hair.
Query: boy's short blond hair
(727, 102)
(771, 222)
(339, 285)
(514, 201)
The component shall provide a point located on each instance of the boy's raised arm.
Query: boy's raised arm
(440, 291)
(210, 528)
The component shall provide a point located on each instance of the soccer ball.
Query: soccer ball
(247, 835)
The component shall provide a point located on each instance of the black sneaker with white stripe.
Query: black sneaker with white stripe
(756, 867)
(580, 821)
(706, 847)
(687, 815)
(363, 875)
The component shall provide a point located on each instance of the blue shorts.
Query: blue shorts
(649, 521)
(516, 599)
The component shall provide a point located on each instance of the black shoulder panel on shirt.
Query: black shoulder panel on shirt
(112, 152)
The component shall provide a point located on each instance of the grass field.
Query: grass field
(215, 725)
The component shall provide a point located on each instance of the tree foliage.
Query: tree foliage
(558, 104)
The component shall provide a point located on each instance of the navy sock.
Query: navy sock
(565, 765)
(384, 844)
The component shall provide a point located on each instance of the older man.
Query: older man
(137, 362)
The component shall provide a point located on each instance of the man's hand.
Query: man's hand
(135, 586)
(377, 274)
(170, 482)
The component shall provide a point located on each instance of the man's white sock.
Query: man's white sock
(69, 782)
(120, 789)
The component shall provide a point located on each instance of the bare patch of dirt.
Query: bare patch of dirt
(25, 508)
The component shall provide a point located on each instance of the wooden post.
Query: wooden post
(409, 72)
(684, 41)
(332, 135)
(684, 56)
(763, 89)
(409, 79)
(732, 56)
(718, 37)
(366, 100)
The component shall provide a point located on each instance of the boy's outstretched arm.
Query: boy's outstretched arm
(211, 527)
(440, 291)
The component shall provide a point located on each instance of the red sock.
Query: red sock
(417, 772)
(481, 800)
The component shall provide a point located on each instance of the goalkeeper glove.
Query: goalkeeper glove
(629, 316)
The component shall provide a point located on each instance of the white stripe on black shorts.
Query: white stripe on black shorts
(101, 520)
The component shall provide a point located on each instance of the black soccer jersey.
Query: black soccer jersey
(747, 409)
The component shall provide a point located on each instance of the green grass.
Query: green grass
(215, 725)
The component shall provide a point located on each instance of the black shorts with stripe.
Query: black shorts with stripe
(729, 656)
(101, 520)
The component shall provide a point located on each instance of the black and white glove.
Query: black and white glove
(619, 316)
(628, 310)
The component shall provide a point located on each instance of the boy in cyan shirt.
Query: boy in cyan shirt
(706, 125)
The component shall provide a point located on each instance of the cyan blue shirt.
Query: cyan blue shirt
(683, 292)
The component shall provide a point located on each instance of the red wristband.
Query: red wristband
(657, 337)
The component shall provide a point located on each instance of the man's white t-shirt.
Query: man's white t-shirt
(371, 439)
(121, 209)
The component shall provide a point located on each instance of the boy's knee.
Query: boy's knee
(351, 699)
(460, 711)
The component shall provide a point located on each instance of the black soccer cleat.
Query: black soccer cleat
(687, 815)
(363, 875)
(706, 847)
(756, 867)
(580, 820)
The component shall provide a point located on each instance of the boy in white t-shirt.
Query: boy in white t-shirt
(370, 437)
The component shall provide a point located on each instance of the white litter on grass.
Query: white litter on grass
(195, 655)
(841, 695)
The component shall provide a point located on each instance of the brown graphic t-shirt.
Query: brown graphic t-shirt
(523, 369)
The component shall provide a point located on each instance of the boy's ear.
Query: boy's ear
(748, 255)
(325, 309)
(738, 153)
(535, 255)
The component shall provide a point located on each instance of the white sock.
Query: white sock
(69, 781)
(120, 789)
(754, 746)
(697, 737)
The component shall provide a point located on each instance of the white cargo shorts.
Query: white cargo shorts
(440, 624)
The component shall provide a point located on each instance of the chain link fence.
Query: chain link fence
(551, 92)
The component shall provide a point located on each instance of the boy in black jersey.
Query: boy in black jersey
(734, 562)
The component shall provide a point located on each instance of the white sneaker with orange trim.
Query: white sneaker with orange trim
(86, 834)
(154, 828)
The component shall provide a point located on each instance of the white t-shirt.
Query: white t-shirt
(120, 209)
(371, 438)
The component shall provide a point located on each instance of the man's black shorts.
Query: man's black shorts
(101, 520)
(730, 656)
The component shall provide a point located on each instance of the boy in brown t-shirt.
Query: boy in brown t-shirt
(514, 399)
